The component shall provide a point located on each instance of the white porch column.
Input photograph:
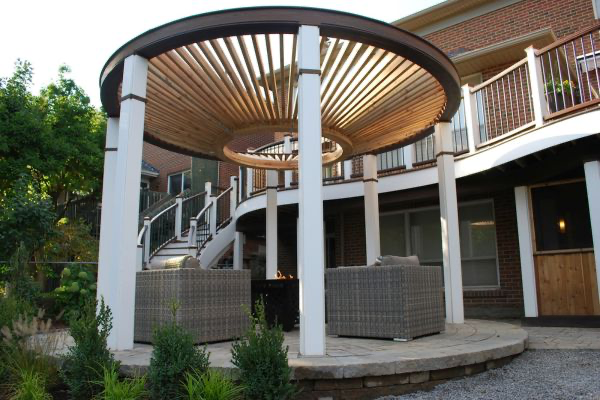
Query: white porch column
(471, 118)
(238, 251)
(371, 208)
(249, 181)
(409, 155)
(310, 196)
(271, 228)
(287, 149)
(536, 80)
(526, 251)
(106, 270)
(127, 197)
(449, 222)
(592, 182)
(348, 169)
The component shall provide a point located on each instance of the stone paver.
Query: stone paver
(563, 338)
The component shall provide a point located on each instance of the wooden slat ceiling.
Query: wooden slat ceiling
(203, 95)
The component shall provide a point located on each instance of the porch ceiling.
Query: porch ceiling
(215, 77)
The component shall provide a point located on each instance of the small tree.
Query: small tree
(85, 362)
(262, 359)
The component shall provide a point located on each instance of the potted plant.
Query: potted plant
(558, 88)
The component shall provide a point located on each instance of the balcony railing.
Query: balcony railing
(561, 78)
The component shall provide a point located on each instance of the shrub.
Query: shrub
(126, 389)
(173, 356)
(11, 307)
(211, 385)
(31, 386)
(77, 287)
(262, 360)
(84, 364)
(28, 349)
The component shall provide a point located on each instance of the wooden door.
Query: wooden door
(566, 283)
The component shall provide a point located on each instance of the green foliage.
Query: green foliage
(212, 385)
(77, 287)
(70, 241)
(126, 389)
(557, 86)
(31, 386)
(262, 360)
(11, 307)
(174, 354)
(84, 364)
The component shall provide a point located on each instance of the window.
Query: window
(588, 62)
(179, 182)
(561, 217)
(419, 232)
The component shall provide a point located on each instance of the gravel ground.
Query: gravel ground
(538, 374)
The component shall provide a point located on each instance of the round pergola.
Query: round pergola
(217, 77)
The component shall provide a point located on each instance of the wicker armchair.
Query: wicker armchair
(210, 302)
(398, 302)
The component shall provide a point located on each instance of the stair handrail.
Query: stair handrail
(220, 209)
(194, 239)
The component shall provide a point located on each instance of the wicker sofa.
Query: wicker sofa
(210, 302)
(397, 302)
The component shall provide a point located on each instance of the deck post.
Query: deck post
(249, 181)
(472, 123)
(271, 228)
(287, 149)
(178, 215)
(348, 169)
(106, 271)
(449, 222)
(526, 250)
(233, 197)
(238, 251)
(536, 82)
(310, 196)
(371, 208)
(408, 155)
(592, 182)
(127, 198)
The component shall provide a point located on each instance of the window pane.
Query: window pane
(425, 235)
(477, 230)
(479, 273)
(175, 184)
(393, 241)
(561, 217)
(187, 180)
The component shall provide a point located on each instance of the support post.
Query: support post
(592, 182)
(371, 208)
(536, 82)
(106, 271)
(348, 169)
(271, 228)
(525, 230)
(192, 242)
(449, 222)
(470, 103)
(127, 197)
(178, 215)
(147, 241)
(310, 196)
(233, 183)
(287, 149)
(238, 251)
(241, 185)
(409, 155)
(249, 181)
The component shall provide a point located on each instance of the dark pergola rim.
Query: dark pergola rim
(264, 20)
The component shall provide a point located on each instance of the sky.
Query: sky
(83, 34)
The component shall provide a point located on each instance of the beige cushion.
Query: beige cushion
(396, 260)
(181, 262)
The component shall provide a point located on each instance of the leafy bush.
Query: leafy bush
(126, 389)
(84, 364)
(31, 386)
(262, 360)
(173, 356)
(11, 307)
(77, 288)
(212, 385)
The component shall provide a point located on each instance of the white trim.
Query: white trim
(182, 173)
(592, 180)
(525, 231)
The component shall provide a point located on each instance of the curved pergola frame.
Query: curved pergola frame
(219, 76)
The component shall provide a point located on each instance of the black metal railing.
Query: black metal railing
(162, 228)
(223, 208)
(202, 232)
(190, 207)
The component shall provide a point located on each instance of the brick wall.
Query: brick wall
(167, 163)
(562, 16)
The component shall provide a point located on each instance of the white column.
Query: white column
(240, 184)
(249, 181)
(106, 270)
(536, 80)
(271, 228)
(127, 188)
(178, 215)
(409, 155)
(310, 196)
(472, 123)
(238, 251)
(449, 222)
(287, 149)
(348, 169)
(592, 181)
(233, 183)
(371, 208)
(526, 251)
